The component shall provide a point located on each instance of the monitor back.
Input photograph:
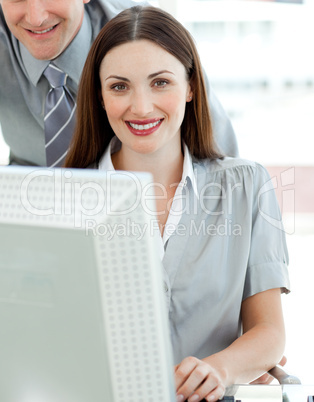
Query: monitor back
(82, 311)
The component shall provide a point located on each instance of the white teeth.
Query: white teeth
(145, 126)
(42, 32)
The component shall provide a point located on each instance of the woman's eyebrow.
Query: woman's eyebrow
(158, 73)
(117, 77)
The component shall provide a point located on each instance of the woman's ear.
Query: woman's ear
(189, 96)
(101, 100)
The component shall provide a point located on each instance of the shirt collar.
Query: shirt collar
(188, 170)
(71, 61)
(105, 163)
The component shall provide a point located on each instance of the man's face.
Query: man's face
(45, 27)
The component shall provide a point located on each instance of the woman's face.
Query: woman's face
(144, 91)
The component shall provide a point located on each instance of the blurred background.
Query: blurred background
(258, 55)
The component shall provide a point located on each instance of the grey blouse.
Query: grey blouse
(229, 245)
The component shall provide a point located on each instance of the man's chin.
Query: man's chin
(43, 53)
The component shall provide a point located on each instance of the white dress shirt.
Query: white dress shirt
(177, 206)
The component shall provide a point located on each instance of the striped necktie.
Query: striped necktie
(59, 117)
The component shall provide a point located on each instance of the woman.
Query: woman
(142, 106)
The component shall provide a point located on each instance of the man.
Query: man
(32, 34)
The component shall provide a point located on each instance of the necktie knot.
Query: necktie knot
(56, 77)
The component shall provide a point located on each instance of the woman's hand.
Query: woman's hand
(196, 380)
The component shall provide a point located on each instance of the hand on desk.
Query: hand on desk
(196, 375)
(192, 375)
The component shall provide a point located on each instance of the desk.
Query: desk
(270, 393)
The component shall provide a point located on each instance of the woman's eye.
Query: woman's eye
(161, 83)
(119, 87)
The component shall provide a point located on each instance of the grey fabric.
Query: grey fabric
(228, 245)
(59, 117)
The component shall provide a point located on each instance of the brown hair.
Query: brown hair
(93, 131)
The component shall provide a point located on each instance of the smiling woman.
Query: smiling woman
(176, 46)
(145, 109)
(142, 106)
(45, 28)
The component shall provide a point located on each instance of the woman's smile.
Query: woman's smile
(144, 127)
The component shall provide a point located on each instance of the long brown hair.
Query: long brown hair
(93, 131)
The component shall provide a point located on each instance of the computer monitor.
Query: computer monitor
(82, 310)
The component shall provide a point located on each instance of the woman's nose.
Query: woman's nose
(141, 103)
